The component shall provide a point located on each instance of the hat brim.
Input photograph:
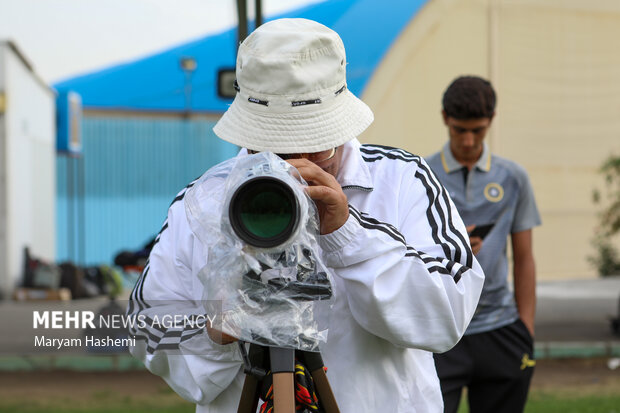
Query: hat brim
(310, 130)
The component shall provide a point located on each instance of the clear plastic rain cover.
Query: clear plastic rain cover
(276, 296)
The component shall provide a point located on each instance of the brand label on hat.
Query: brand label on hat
(306, 102)
(260, 102)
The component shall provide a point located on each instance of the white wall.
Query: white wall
(29, 167)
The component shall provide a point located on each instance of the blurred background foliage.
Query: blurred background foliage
(605, 241)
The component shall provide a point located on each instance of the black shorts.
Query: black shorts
(496, 367)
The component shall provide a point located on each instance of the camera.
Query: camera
(265, 211)
(260, 231)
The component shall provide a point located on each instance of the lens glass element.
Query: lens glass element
(266, 212)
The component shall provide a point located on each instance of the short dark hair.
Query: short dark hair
(469, 97)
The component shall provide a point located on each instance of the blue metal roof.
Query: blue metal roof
(156, 83)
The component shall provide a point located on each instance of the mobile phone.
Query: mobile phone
(481, 231)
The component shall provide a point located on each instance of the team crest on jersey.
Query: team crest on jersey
(494, 192)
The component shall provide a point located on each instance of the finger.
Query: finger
(226, 339)
(476, 244)
(219, 337)
(313, 174)
(470, 228)
(325, 194)
(475, 240)
(332, 205)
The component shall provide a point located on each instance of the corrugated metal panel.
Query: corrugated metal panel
(116, 196)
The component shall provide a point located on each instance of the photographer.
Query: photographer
(407, 282)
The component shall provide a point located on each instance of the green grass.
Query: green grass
(542, 402)
(161, 400)
(118, 406)
(550, 403)
(593, 389)
(103, 403)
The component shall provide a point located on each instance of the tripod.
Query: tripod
(282, 366)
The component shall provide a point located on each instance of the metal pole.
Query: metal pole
(242, 14)
(81, 187)
(258, 5)
(72, 255)
(188, 92)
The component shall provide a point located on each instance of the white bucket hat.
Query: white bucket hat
(292, 95)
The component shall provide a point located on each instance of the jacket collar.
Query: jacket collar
(354, 172)
(450, 164)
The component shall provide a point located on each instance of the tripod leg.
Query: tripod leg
(249, 395)
(282, 369)
(253, 370)
(314, 362)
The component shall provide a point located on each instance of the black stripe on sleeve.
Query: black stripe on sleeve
(364, 222)
(370, 223)
(435, 193)
(460, 244)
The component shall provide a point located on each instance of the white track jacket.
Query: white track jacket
(407, 285)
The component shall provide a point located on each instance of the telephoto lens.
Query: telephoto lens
(264, 212)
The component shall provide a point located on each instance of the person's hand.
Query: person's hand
(529, 324)
(219, 337)
(327, 194)
(476, 242)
